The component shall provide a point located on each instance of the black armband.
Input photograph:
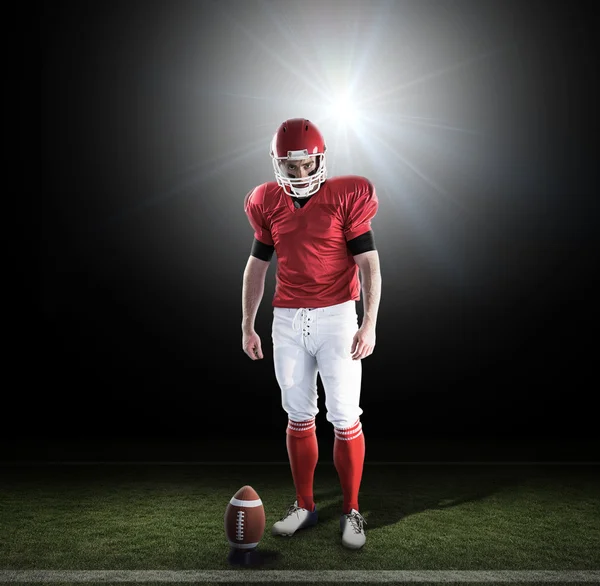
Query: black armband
(362, 243)
(262, 251)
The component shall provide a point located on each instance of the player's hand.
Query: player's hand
(251, 345)
(363, 342)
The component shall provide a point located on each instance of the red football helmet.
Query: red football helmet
(297, 139)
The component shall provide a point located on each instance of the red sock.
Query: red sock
(303, 453)
(348, 457)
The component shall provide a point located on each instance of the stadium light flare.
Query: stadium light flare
(343, 109)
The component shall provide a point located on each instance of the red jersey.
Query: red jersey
(314, 266)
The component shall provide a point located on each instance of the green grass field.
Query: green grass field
(420, 517)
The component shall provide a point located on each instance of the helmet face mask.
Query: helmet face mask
(300, 186)
(298, 139)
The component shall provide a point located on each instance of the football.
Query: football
(245, 519)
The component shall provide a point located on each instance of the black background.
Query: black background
(133, 333)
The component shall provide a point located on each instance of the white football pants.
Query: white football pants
(307, 342)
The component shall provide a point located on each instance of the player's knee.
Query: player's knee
(343, 421)
(298, 404)
(299, 413)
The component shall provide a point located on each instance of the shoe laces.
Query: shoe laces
(357, 521)
(293, 509)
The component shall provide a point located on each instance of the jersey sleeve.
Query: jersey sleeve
(362, 209)
(254, 212)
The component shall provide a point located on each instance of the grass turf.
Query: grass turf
(419, 517)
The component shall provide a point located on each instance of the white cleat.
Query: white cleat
(296, 518)
(353, 530)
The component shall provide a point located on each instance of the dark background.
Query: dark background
(478, 128)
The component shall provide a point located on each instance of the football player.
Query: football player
(320, 230)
